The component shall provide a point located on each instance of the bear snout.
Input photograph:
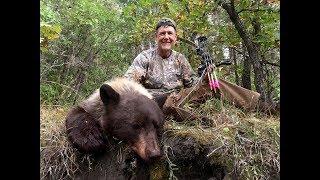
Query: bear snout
(147, 147)
(153, 154)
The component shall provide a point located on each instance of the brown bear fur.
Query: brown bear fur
(122, 109)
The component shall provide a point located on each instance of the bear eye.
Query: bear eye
(135, 126)
(155, 124)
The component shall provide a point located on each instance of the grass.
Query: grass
(57, 157)
(248, 144)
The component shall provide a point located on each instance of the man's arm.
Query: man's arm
(138, 69)
(189, 78)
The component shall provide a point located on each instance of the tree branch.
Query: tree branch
(187, 41)
(238, 51)
(232, 4)
(102, 44)
(270, 63)
(263, 61)
(257, 10)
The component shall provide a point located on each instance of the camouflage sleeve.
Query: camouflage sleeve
(138, 69)
(188, 75)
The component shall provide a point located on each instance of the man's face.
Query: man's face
(166, 37)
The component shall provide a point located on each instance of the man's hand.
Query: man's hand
(201, 68)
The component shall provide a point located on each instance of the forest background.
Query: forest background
(87, 42)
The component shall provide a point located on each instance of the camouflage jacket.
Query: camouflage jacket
(158, 74)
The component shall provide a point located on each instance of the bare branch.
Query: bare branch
(270, 63)
(102, 44)
(257, 10)
(187, 41)
(50, 67)
(263, 61)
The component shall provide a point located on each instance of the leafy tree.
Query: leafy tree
(89, 41)
(86, 42)
(249, 29)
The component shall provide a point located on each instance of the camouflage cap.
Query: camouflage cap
(166, 22)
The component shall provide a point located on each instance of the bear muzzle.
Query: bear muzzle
(147, 147)
(153, 154)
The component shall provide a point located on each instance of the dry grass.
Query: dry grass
(58, 158)
(247, 144)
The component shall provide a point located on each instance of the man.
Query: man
(169, 77)
(162, 69)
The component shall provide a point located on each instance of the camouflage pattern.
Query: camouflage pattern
(161, 75)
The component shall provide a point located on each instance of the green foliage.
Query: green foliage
(49, 93)
(91, 39)
(47, 13)
(116, 31)
(48, 33)
(267, 16)
(49, 28)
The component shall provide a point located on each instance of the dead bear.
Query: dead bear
(120, 108)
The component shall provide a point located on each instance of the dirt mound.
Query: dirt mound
(191, 159)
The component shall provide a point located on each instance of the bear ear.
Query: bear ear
(160, 99)
(108, 95)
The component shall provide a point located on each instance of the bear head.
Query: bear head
(133, 118)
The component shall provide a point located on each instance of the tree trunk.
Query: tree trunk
(246, 71)
(269, 87)
(253, 50)
(258, 74)
(233, 58)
